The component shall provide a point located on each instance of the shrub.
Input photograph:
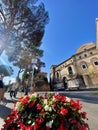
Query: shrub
(46, 112)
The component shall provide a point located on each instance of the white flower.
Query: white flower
(29, 121)
(18, 105)
(49, 124)
(33, 95)
(50, 109)
(45, 101)
(47, 108)
(33, 124)
(53, 99)
(68, 99)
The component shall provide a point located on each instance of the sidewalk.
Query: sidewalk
(6, 106)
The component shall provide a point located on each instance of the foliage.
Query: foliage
(46, 112)
(22, 27)
(22, 23)
(27, 74)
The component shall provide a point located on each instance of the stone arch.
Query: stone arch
(58, 76)
(70, 71)
(65, 82)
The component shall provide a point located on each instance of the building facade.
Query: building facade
(80, 70)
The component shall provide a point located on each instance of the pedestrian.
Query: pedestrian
(26, 90)
(13, 90)
(1, 87)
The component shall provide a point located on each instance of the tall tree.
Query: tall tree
(22, 25)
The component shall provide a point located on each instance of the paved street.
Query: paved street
(89, 105)
(92, 114)
(6, 106)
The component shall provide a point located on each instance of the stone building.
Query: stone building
(80, 70)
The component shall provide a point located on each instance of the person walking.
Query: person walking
(13, 90)
(1, 87)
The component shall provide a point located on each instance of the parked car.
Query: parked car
(58, 87)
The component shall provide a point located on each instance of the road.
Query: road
(87, 96)
(89, 102)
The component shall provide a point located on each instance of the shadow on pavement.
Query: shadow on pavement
(5, 100)
(4, 111)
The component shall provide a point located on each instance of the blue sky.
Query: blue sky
(72, 24)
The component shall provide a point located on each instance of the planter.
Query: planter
(46, 112)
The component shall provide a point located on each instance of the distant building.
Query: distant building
(80, 70)
(40, 78)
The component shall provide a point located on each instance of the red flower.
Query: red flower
(76, 104)
(83, 114)
(62, 126)
(83, 127)
(31, 104)
(63, 98)
(47, 128)
(13, 128)
(64, 111)
(39, 106)
(21, 125)
(24, 100)
(73, 121)
(36, 126)
(39, 121)
(9, 121)
(60, 97)
(28, 128)
(54, 104)
(42, 111)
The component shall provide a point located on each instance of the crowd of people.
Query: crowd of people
(13, 88)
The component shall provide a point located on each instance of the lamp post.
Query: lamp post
(33, 63)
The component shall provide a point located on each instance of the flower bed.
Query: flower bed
(46, 112)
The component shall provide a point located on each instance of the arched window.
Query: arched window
(65, 79)
(85, 55)
(84, 66)
(80, 57)
(91, 53)
(57, 76)
(65, 82)
(95, 63)
(70, 70)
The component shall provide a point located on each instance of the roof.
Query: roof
(86, 47)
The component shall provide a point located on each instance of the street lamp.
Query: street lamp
(33, 63)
